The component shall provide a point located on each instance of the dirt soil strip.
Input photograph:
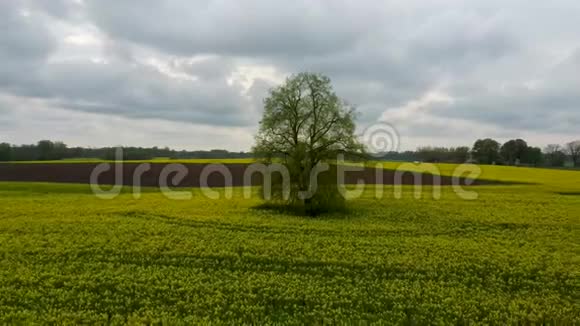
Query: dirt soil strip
(81, 172)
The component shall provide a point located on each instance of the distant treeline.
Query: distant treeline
(46, 150)
(483, 151)
(489, 151)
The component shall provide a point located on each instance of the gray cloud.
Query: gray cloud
(25, 43)
(61, 9)
(118, 87)
(508, 66)
(549, 102)
(252, 28)
(137, 91)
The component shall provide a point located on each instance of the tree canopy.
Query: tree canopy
(305, 115)
(513, 151)
(305, 123)
(486, 151)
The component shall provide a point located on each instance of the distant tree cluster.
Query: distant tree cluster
(46, 150)
(518, 152)
(489, 151)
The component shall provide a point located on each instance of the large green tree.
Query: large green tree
(486, 151)
(306, 123)
(514, 151)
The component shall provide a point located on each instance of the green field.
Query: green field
(511, 256)
(550, 179)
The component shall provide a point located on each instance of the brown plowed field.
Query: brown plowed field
(81, 172)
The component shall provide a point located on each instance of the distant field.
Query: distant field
(561, 177)
(552, 179)
(511, 256)
(556, 178)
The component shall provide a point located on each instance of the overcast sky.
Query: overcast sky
(192, 74)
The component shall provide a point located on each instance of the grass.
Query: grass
(511, 256)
